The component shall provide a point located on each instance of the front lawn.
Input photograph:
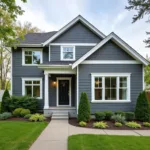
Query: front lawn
(19, 135)
(107, 142)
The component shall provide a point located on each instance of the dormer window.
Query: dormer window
(67, 53)
(31, 56)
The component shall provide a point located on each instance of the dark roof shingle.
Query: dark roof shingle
(37, 38)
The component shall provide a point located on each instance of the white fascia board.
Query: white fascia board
(72, 23)
(73, 44)
(29, 45)
(119, 42)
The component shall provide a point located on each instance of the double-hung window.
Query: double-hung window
(68, 53)
(107, 87)
(32, 56)
(32, 87)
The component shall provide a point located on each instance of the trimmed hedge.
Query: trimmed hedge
(108, 115)
(84, 108)
(142, 109)
(21, 102)
(99, 116)
(130, 116)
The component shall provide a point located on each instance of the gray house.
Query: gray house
(56, 67)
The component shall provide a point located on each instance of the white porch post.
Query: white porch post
(46, 99)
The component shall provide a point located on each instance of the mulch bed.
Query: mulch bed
(111, 125)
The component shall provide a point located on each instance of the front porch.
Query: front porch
(60, 92)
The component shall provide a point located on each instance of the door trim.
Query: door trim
(57, 92)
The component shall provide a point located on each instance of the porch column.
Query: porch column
(46, 99)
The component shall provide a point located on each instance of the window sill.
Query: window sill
(30, 64)
(67, 59)
(110, 101)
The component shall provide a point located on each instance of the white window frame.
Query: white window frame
(103, 75)
(61, 54)
(33, 79)
(31, 49)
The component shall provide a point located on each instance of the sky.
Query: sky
(106, 15)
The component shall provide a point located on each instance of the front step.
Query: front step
(60, 115)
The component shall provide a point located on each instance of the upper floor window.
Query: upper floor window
(67, 53)
(110, 87)
(32, 56)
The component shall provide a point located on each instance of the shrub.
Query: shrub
(101, 125)
(84, 108)
(130, 116)
(119, 113)
(24, 112)
(5, 115)
(4, 101)
(37, 117)
(100, 116)
(17, 112)
(133, 124)
(0, 107)
(118, 124)
(142, 112)
(108, 115)
(25, 102)
(27, 116)
(82, 123)
(146, 124)
(118, 118)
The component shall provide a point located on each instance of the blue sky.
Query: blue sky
(107, 15)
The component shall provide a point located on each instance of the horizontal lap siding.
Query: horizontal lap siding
(110, 51)
(20, 71)
(136, 84)
(78, 33)
(79, 52)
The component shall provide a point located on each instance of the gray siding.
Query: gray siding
(20, 71)
(78, 33)
(79, 51)
(52, 89)
(136, 84)
(110, 51)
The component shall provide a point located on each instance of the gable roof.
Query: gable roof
(74, 21)
(112, 36)
(36, 38)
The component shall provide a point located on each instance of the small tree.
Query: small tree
(142, 112)
(4, 98)
(84, 108)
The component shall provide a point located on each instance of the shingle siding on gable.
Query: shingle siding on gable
(136, 84)
(110, 51)
(79, 51)
(78, 34)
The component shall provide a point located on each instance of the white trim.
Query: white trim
(11, 81)
(103, 75)
(57, 90)
(31, 49)
(78, 18)
(43, 66)
(60, 71)
(46, 91)
(110, 62)
(49, 54)
(143, 82)
(119, 42)
(61, 53)
(77, 84)
(32, 79)
(75, 44)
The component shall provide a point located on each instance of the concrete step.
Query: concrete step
(60, 115)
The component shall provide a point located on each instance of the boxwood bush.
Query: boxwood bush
(108, 115)
(99, 116)
(4, 101)
(25, 102)
(118, 112)
(130, 116)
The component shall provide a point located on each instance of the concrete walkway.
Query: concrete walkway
(55, 136)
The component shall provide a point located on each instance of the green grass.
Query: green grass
(19, 135)
(107, 142)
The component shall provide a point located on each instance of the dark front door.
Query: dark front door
(63, 92)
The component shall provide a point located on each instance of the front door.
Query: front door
(64, 92)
